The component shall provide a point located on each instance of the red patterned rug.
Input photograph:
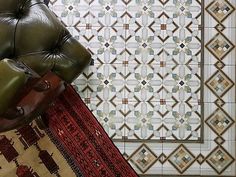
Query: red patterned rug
(81, 135)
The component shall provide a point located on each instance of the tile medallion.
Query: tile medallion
(181, 159)
(219, 159)
(143, 158)
(162, 80)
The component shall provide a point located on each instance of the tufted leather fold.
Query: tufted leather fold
(31, 33)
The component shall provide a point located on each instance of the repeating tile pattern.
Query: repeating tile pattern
(162, 80)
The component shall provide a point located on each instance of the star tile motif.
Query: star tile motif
(219, 159)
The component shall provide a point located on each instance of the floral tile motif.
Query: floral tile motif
(162, 80)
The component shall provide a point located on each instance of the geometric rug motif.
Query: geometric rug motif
(30, 152)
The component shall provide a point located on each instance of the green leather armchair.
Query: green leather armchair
(38, 57)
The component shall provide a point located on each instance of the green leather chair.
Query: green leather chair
(38, 57)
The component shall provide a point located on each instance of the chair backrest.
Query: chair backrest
(31, 33)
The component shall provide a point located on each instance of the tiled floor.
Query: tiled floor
(162, 81)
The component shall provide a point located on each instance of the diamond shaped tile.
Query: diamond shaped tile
(219, 159)
(143, 158)
(219, 121)
(219, 46)
(181, 159)
(219, 83)
(220, 9)
(219, 140)
(200, 158)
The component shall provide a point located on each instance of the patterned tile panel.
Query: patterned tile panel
(162, 80)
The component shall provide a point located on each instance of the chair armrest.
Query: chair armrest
(35, 102)
(12, 79)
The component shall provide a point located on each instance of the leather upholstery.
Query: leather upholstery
(30, 33)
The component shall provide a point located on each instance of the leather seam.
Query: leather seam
(36, 4)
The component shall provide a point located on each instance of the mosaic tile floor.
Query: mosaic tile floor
(162, 80)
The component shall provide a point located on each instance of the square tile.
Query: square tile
(111, 117)
(182, 123)
(143, 82)
(185, 13)
(70, 12)
(106, 45)
(143, 12)
(143, 122)
(107, 83)
(108, 13)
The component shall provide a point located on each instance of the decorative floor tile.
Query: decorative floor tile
(162, 80)
(146, 158)
(219, 122)
(219, 84)
(109, 12)
(70, 11)
(182, 159)
(220, 12)
(221, 159)
(220, 46)
(107, 46)
(111, 117)
(143, 158)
